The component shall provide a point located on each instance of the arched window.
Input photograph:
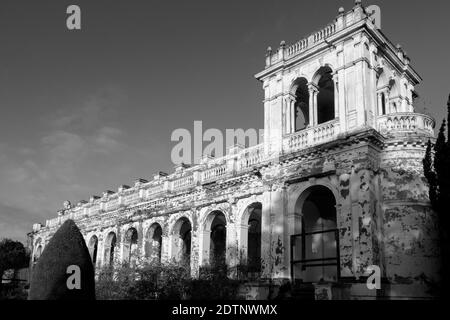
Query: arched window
(153, 243)
(300, 88)
(325, 96)
(185, 236)
(93, 246)
(218, 239)
(181, 246)
(130, 246)
(254, 238)
(384, 86)
(110, 246)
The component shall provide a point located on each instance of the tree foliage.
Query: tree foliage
(13, 255)
(49, 277)
(436, 165)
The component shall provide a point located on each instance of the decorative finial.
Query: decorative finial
(269, 49)
(282, 43)
(341, 10)
(358, 2)
(67, 205)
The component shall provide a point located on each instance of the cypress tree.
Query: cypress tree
(50, 275)
(437, 172)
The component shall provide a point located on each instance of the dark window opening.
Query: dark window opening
(93, 246)
(301, 104)
(110, 248)
(325, 97)
(153, 243)
(315, 252)
(218, 241)
(185, 235)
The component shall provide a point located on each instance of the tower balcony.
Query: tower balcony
(311, 136)
(406, 122)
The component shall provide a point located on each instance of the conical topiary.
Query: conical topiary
(49, 277)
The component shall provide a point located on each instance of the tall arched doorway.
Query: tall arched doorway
(315, 252)
(182, 241)
(93, 247)
(250, 239)
(153, 243)
(130, 246)
(217, 249)
(110, 247)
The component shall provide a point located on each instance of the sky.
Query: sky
(82, 112)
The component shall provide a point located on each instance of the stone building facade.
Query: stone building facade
(336, 187)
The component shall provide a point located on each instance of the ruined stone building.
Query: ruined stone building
(336, 186)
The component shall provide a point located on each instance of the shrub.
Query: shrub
(168, 281)
(145, 281)
(67, 247)
(213, 284)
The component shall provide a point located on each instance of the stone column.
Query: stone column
(316, 111)
(294, 226)
(232, 252)
(203, 247)
(290, 114)
(165, 250)
(380, 103)
(313, 91)
(195, 261)
(287, 116)
(336, 95)
(345, 225)
(100, 250)
(266, 235)
(242, 233)
(362, 193)
(279, 249)
(293, 117)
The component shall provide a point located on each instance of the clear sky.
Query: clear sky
(83, 112)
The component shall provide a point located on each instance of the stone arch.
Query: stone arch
(153, 242)
(93, 248)
(130, 246)
(318, 241)
(110, 249)
(214, 237)
(250, 237)
(296, 193)
(323, 81)
(244, 203)
(382, 79)
(206, 212)
(181, 236)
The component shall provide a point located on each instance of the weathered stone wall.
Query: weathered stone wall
(410, 239)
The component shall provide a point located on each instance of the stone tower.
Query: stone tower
(345, 95)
